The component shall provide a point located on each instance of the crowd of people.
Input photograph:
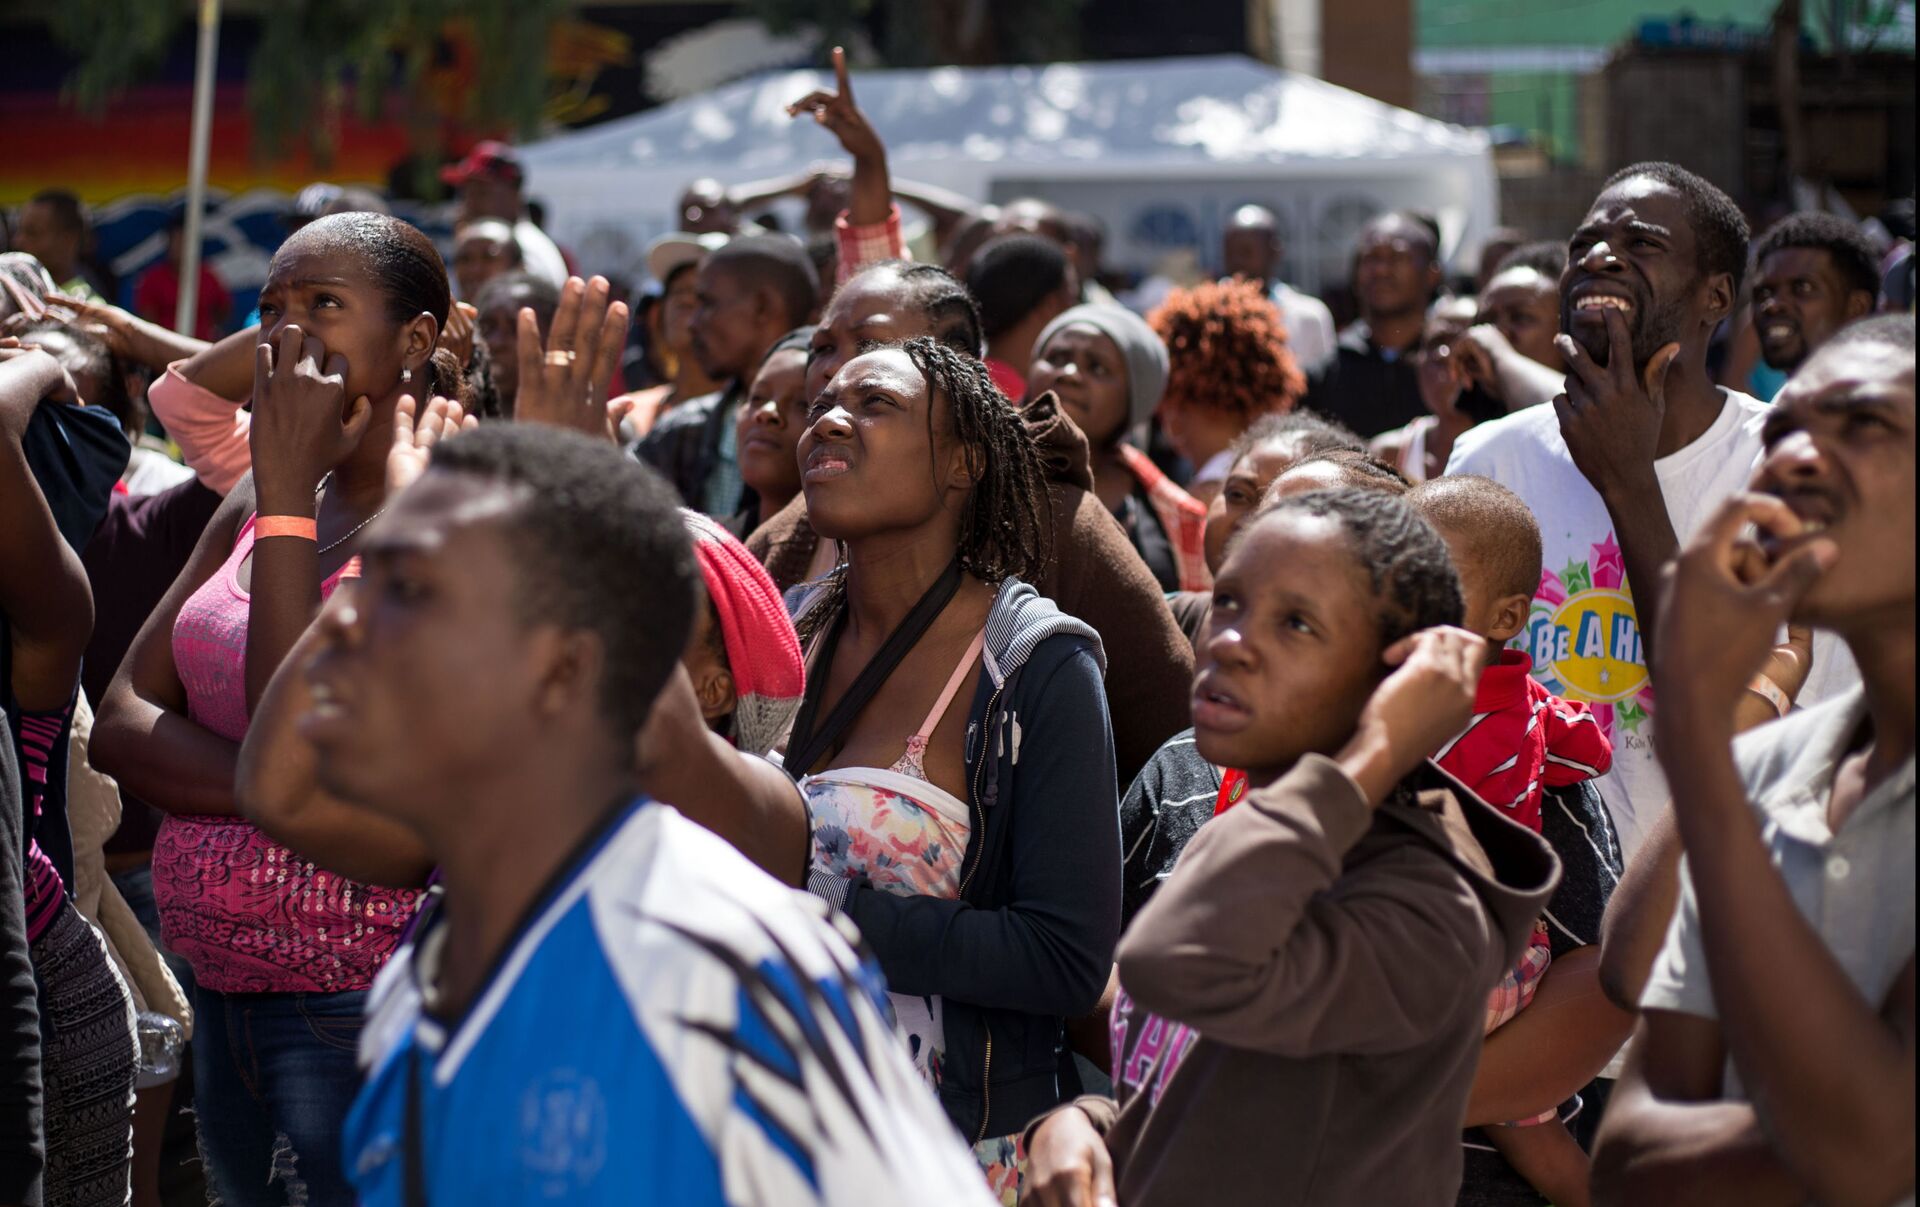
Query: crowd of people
(874, 719)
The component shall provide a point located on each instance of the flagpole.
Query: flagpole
(203, 78)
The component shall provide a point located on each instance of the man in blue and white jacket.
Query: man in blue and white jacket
(609, 1004)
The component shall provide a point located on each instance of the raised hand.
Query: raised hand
(1610, 416)
(457, 336)
(118, 328)
(28, 377)
(1426, 699)
(837, 112)
(565, 382)
(1723, 601)
(414, 438)
(872, 191)
(303, 424)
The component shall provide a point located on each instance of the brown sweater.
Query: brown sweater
(1316, 973)
(1093, 574)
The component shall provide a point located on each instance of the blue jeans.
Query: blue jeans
(273, 1077)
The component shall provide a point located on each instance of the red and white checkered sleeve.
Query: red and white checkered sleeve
(864, 245)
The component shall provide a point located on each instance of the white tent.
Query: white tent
(1161, 150)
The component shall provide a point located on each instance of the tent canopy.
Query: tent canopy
(1192, 132)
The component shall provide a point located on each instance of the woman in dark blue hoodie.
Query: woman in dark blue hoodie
(953, 745)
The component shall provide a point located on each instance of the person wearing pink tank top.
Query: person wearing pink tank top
(282, 950)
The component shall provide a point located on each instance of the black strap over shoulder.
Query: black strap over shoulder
(806, 746)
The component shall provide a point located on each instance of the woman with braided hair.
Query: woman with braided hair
(953, 743)
(1091, 571)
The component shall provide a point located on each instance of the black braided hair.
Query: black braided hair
(951, 312)
(1414, 583)
(1006, 527)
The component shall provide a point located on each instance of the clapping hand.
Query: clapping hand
(414, 438)
(565, 382)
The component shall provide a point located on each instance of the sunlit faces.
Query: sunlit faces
(326, 291)
(1636, 253)
(1240, 495)
(768, 430)
(1799, 299)
(1087, 370)
(1840, 453)
(1524, 305)
(872, 308)
(876, 455)
(397, 696)
(1291, 649)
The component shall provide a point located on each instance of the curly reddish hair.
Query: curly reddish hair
(1228, 350)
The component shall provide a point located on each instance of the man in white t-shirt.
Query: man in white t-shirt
(1633, 457)
(1251, 249)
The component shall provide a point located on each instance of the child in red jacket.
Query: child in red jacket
(1523, 740)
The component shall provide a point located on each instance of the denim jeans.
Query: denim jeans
(274, 1075)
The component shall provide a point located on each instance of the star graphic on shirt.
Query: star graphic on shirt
(1576, 578)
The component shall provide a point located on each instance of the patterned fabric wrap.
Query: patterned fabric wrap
(88, 1048)
(1515, 993)
(1180, 514)
(39, 735)
(246, 913)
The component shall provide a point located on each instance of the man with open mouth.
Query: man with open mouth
(1633, 457)
(1813, 274)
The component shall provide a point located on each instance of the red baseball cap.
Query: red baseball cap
(488, 158)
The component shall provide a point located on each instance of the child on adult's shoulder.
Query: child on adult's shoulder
(1521, 741)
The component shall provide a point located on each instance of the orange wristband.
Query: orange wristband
(304, 527)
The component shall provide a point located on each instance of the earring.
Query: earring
(406, 375)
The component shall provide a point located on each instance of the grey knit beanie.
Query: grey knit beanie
(1145, 355)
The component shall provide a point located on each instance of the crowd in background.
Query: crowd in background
(874, 717)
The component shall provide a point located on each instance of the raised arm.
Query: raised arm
(1517, 381)
(745, 800)
(870, 229)
(142, 735)
(1840, 1112)
(199, 402)
(299, 391)
(43, 587)
(1610, 418)
(127, 335)
(1669, 1140)
(1247, 943)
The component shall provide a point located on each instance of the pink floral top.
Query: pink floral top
(249, 915)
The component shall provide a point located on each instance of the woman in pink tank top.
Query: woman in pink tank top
(282, 950)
